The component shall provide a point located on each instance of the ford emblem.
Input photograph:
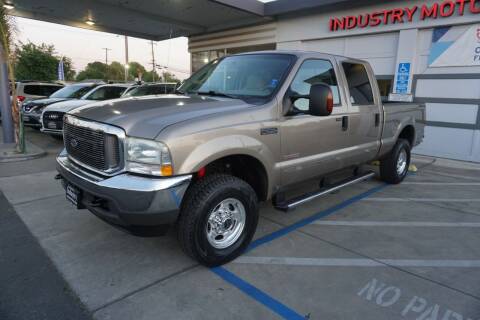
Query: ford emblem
(73, 143)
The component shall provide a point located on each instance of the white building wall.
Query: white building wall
(451, 94)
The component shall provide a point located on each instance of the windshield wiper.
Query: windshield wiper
(216, 94)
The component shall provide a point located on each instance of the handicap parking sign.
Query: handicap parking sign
(403, 77)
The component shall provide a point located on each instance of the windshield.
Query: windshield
(72, 92)
(151, 90)
(252, 75)
(104, 93)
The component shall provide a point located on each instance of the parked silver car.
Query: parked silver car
(52, 116)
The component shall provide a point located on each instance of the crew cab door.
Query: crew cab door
(313, 145)
(366, 110)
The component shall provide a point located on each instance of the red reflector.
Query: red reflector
(201, 172)
(330, 103)
(21, 98)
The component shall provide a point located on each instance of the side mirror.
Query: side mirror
(321, 100)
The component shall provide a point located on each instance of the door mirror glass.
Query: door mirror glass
(321, 100)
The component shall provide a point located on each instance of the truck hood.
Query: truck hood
(68, 105)
(147, 116)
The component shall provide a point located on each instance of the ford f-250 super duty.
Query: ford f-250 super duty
(243, 129)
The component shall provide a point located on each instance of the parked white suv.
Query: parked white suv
(30, 90)
(52, 116)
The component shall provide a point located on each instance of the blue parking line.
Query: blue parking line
(260, 296)
(322, 214)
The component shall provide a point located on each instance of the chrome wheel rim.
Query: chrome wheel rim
(225, 223)
(402, 162)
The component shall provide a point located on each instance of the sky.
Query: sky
(84, 46)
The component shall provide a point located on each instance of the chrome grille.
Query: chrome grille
(94, 148)
(53, 120)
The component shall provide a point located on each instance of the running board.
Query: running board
(297, 201)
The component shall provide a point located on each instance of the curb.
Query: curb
(9, 154)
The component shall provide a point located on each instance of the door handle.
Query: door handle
(377, 119)
(345, 123)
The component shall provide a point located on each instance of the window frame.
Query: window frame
(373, 83)
(334, 65)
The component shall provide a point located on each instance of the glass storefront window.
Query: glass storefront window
(199, 59)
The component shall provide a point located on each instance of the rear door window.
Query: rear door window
(34, 90)
(359, 86)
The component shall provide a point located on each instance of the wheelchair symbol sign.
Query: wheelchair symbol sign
(403, 77)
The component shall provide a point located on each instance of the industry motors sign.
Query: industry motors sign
(436, 10)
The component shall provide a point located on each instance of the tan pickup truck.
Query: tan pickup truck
(245, 128)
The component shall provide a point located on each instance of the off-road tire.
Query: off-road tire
(388, 165)
(200, 199)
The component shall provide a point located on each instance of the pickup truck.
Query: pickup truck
(244, 129)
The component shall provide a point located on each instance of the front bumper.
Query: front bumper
(126, 200)
(31, 119)
(52, 131)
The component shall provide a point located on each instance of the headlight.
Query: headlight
(148, 157)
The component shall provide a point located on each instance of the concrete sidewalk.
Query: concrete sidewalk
(9, 153)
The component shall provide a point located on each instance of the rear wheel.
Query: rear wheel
(394, 168)
(218, 219)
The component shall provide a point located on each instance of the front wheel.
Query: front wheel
(218, 219)
(394, 168)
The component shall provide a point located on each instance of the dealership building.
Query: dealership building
(422, 50)
(425, 51)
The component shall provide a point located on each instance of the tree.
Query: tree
(169, 77)
(116, 71)
(6, 38)
(94, 70)
(136, 70)
(39, 62)
(148, 76)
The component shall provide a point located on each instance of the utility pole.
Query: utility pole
(126, 59)
(106, 54)
(153, 62)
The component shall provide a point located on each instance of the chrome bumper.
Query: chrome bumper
(52, 131)
(127, 200)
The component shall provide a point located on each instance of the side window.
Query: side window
(34, 90)
(314, 72)
(114, 92)
(359, 85)
(49, 90)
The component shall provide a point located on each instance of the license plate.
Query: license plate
(26, 118)
(73, 195)
(51, 125)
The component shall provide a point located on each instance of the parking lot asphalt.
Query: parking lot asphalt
(370, 251)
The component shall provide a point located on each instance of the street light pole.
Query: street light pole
(126, 59)
(5, 103)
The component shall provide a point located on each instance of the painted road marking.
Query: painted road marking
(322, 214)
(334, 262)
(386, 296)
(420, 200)
(441, 183)
(450, 175)
(399, 224)
(260, 296)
